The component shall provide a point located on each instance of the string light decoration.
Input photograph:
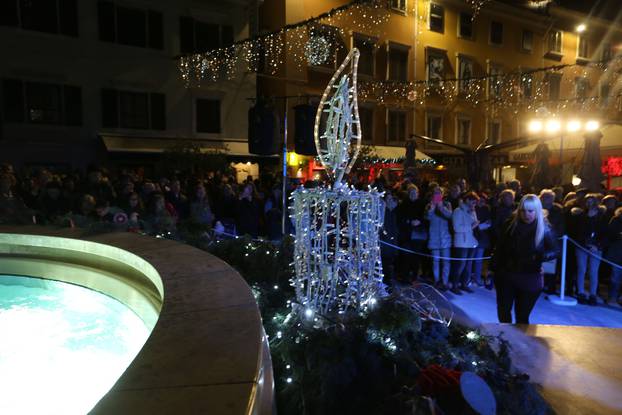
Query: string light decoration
(477, 6)
(266, 52)
(317, 50)
(512, 91)
(337, 250)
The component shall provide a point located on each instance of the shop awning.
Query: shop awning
(391, 152)
(572, 145)
(129, 144)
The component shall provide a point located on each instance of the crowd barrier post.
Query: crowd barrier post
(561, 300)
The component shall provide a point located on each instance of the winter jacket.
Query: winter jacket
(556, 219)
(389, 233)
(482, 232)
(500, 216)
(408, 211)
(438, 229)
(516, 252)
(614, 235)
(588, 230)
(463, 222)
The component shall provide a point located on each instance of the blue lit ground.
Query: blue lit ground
(481, 307)
(63, 346)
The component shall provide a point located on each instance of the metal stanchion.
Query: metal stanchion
(561, 300)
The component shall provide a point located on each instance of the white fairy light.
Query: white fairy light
(337, 251)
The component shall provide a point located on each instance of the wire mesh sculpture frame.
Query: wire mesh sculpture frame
(337, 252)
(343, 123)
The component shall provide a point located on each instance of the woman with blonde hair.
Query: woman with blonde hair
(524, 244)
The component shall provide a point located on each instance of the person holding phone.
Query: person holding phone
(438, 213)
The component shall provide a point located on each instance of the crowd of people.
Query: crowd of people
(130, 201)
(441, 233)
(457, 229)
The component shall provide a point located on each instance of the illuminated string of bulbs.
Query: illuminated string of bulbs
(508, 91)
(266, 52)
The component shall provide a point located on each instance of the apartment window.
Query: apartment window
(527, 41)
(366, 60)
(463, 131)
(555, 41)
(604, 92)
(41, 103)
(437, 18)
(366, 116)
(397, 126)
(465, 25)
(494, 132)
(208, 116)
(554, 82)
(433, 129)
(399, 5)
(582, 88)
(49, 16)
(607, 52)
(527, 85)
(135, 110)
(435, 65)
(496, 33)
(465, 73)
(494, 82)
(582, 49)
(398, 63)
(130, 26)
(198, 37)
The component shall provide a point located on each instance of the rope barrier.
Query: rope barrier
(613, 264)
(399, 248)
(434, 256)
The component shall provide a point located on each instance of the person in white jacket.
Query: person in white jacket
(464, 221)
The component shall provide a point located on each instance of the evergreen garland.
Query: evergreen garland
(386, 362)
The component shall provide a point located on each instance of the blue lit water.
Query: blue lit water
(62, 346)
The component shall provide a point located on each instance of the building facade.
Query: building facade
(427, 41)
(81, 80)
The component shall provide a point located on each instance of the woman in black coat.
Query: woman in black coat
(523, 245)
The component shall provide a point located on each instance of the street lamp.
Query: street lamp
(573, 126)
(535, 126)
(556, 125)
(581, 28)
(592, 125)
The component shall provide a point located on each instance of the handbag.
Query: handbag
(548, 267)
